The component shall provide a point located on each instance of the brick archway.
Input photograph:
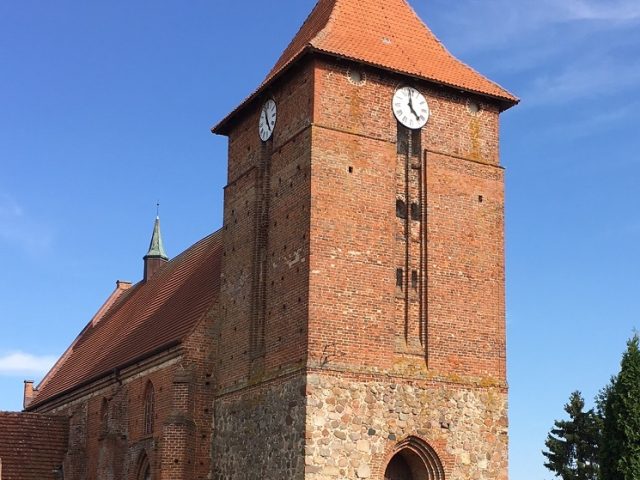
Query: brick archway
(414, 459)
(143, 472)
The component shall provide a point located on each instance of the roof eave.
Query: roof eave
(223, 127)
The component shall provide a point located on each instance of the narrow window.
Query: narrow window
(149, 409)
(401, 209)
(399, 277)
(416, 142)
(104, 416)
(414, 279)
(415, 212)
(402, 139)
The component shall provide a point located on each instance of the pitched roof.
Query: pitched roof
(141, 321)
(32, 446)
(383, 33)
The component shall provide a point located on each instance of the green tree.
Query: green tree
(620, 452)
(572, 445)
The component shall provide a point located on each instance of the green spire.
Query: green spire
(156, 248)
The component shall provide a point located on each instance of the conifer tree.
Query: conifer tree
(573, 444)
(620, 452)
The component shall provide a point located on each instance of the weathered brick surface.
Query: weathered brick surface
(106, 434)
(401, 361)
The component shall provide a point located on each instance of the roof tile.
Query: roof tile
(386, 34)
(141, 320)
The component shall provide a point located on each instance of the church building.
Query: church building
(348, 319)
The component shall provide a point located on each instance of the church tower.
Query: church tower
(361, 328)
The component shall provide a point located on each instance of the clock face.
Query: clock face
(267, 120)
(410, 108)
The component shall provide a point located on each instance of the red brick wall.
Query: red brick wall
(179, 446)
(357, 242)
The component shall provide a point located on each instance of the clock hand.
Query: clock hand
(412, 109)
(266, 119)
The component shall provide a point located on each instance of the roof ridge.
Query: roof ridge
(158, 304)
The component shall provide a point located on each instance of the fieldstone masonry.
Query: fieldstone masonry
(353, 427)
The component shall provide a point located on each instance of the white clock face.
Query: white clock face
(410, 108)
(267, 120)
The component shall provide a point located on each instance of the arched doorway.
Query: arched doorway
(144, 468)
(414, 460)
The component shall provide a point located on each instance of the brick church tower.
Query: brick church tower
(361, 322)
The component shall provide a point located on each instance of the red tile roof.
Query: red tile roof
(142, 320)
(386, 34)
(31, 445)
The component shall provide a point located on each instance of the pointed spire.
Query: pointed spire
(156, 247)
(156, 257)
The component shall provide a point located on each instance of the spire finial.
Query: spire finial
(158, 209)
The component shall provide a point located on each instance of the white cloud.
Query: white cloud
(20, 363)
(609, 10)
(584, 79)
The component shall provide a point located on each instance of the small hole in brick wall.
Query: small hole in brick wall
(304, 236)
(275, 224)
(299, 299)
(480, 198)
(298, 167)
(279, 181)
(297, 269)
(284, 248)
(287, 216)
(244, 353)
(279, 339)
(284, 307)
(235, 329)
(276, 195)
(282, 279)
(208, 375)
(207, 383)
(291, 184)
(176, 461)
(206, 410)
(350, 169)
(273, 282)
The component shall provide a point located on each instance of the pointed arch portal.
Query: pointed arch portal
(414, 460)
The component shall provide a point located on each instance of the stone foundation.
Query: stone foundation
(354, 427)
(259, 432)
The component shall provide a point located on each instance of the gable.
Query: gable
(144, 320)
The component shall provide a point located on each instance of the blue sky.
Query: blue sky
(105, 108)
